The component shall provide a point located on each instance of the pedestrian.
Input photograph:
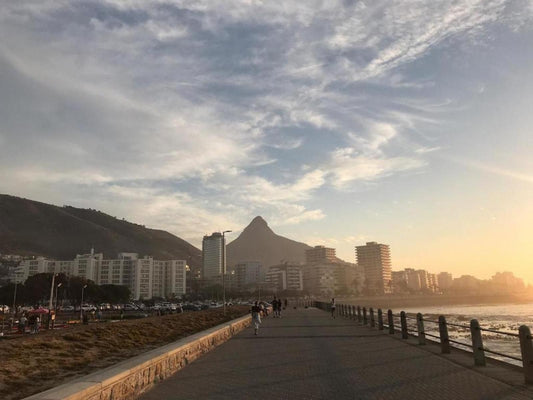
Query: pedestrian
(286, 302)
(37, 323)
(31, 323)
(99, 314)
(22, 324)
(256, 317)
(275, 307)
(333, 307)
(279, 308)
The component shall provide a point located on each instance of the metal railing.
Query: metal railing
(399, 323)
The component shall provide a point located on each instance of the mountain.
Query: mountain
(258, 242)
(29, 227)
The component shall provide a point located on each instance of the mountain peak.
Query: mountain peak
(258, 221)
(258, 242)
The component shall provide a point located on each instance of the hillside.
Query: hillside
(29, 227)
(258, 242)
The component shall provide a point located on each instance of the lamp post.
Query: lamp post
(57, 290)
(15, 301)
(81, 303)
(51, 302)
(224, 271)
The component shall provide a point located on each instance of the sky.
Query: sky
(339, 122)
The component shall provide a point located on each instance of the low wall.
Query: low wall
(128, 379)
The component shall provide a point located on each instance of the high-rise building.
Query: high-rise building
(320, 254)
(212, 255)
(376, 261)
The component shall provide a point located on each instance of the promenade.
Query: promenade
(308, 355)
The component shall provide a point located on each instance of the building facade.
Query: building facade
(145, 277)
(213, 256)
(320, 254)
(247, 274)
(376, 260)
(285, 277)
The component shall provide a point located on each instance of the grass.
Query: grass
(34, 363)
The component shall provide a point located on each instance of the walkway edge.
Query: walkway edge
(130, 378)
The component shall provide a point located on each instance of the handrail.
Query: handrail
(388, 319)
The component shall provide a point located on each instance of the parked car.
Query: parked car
(130, 307)
(4, 308)
(68, 309)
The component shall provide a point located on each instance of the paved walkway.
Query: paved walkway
(308, 355)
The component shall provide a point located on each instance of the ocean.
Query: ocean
(504, 318)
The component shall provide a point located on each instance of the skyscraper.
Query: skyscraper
(375, 259)
(212, 255)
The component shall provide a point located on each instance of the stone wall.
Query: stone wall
(128, 379)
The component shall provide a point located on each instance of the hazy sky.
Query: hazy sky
(403, 122)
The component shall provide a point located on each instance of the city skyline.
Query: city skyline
(339, 122)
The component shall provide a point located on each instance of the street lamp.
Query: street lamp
(51, 303)
(81, 304)
(57, 290)
(224, 270)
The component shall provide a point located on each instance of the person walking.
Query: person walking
(275, 307)
(332, 306)
(256, 317)
(279, 308)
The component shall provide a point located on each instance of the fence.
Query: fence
(399, 323)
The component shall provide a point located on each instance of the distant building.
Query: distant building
(212, 256)
(247, 274)
(320, 254)
(399, 281)
(285, 277)
(145, 277)
(376, 261)
(445, 280)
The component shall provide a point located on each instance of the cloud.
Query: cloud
(184, 111)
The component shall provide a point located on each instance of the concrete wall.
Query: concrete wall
(128, 379)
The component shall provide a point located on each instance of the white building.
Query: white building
(145, 277)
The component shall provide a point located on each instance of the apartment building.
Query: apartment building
(145, 277)
(376, 260)
(285, 277)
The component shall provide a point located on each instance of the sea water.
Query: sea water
(504, 318)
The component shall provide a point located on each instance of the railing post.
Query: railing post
(391, 322)
(477, 343)
(403, 321)
(380, 319)
(359, 316)
(444, 338)
(526, 347)
(420, 329)
(372, 320)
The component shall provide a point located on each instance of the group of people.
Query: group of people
(259, 310)
(33, 321)
(277, 306)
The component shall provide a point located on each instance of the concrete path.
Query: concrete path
(308, 355)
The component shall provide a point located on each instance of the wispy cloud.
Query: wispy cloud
(183, 110)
